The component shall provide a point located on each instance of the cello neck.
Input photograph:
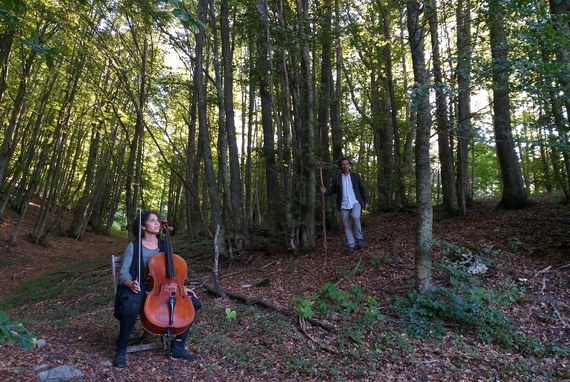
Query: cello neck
(169, 260)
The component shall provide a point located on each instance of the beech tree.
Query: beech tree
(423, 261)
(514, 193)
(264, 96)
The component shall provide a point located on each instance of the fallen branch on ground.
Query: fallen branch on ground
(557, 314)
(303, 327)
(351, 273)
(266, 304)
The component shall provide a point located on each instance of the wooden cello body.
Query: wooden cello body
(167, 309)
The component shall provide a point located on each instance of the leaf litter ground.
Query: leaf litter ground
(72, 307)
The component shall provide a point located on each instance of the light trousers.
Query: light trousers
(351, 220)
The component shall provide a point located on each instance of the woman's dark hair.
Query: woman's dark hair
(140, 220)
(342, 160)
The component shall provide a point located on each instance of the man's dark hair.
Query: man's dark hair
(343, 159)
(141, 220)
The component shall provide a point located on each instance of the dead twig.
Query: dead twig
(557, 314)
(542, 271)
(351, 273)
(307, 270)
(270, 264)
(303, 326)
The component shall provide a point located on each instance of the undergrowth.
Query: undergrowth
(459, 313)
(460, 304)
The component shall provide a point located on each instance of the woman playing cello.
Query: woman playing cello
(130, 293)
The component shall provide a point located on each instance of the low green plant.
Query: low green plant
(514, 244)
(14, 332)
(303, 306)
(462, 304)
(375, 261)
(230, 314)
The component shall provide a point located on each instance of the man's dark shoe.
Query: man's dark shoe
(177, 351)
(349, 251)
(361, 244)
(120, 358)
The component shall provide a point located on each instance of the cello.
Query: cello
(167, 309)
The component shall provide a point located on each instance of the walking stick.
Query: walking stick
(324, 214)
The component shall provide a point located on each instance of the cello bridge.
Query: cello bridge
(171, 288)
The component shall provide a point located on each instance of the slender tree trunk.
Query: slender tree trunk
(463, 102)
(240, 228)
(31, 189)
(325, 88)
(273, 194)
(411, 121)
(26, 163)
(104, 186)
(222, 149)
(307, 169)
(559, 10)
(249, 186)
(336, 130)
(203, 128)
(133, 173)
(50, 188)
(383, 133)
(195, 222)
(423, 260)
(6, 40)
(284, 127)
(79, 214)
(6, 148)
(514, 194)
(397, 180)
(443, 132)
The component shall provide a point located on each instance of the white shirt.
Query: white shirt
(348, 196)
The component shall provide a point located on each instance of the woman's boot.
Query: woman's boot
(177, 351)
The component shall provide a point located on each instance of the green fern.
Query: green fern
(11, 332)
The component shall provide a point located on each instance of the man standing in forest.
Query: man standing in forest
(351, 196)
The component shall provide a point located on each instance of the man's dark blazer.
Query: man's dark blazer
(357, 185)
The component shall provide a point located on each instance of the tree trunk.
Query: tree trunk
(195, 221)
(133, 172)
(397, 170)
(325, 90)
(423, 260)
(336, 130)
(240, 228)
(222, 149)
(6, 148)
(559, 10)
(463, 73)
(383, 133)
(274, 197)
(31, 189)
(443, 133)
(514, 194)
(306, 186)
(79, 214)
(205, 144)
(6, 39)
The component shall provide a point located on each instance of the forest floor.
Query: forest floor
(62, 292)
